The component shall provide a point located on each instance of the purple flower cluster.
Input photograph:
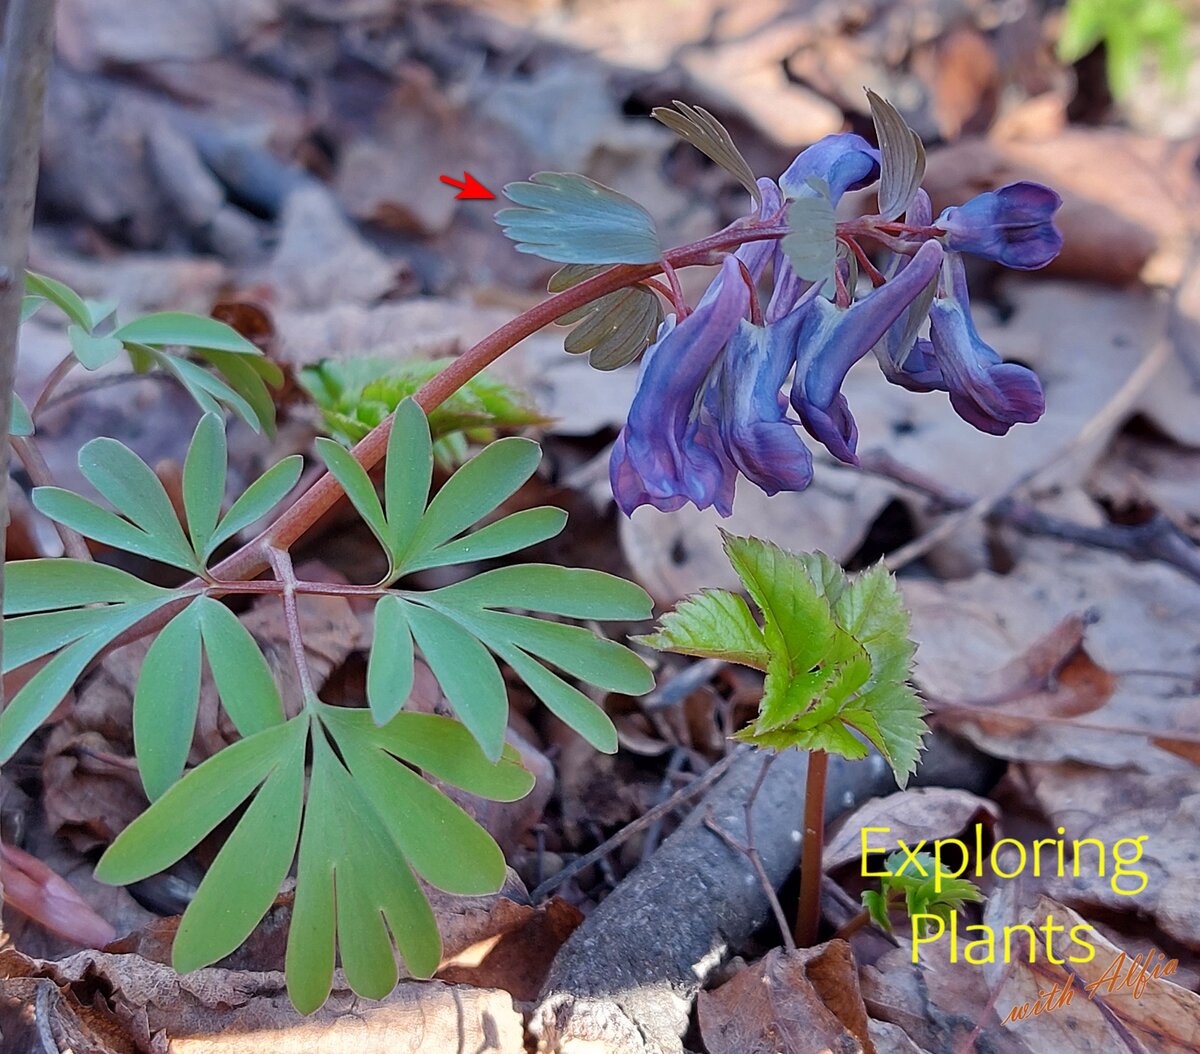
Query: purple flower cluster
(710, 403)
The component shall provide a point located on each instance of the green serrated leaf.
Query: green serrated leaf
(509, 534)
(165, 702)
(178, 328)
(468, 676)
(258, 499)
(20, 422)
(61, 296)
(903, 158)
(408, 473)
(572, 219)
(714, 624)
(798, 624)
(358, 395)
(491, 476)
(204, 481)
(812, 244)
(233, 898)
(570, 591)
(93, 351)
(390, 667)
(174, 825)
(697, 126)
(51, 585)
(244, 682)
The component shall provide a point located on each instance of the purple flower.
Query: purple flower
(1013, 226)
(750, 408)
(844, 161)
(985, 391)
(831, 339)
(660, 457)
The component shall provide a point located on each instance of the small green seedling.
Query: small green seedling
(913, 883)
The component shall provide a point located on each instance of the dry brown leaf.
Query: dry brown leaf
(43, 895)
(1053, 677)
(1156, 1013)
(913, 815)
(145, 1007)
(1142, 635)
(1162, 808)
(800, 1002)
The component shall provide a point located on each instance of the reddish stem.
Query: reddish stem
(808, 919)
(864, 261)
(252, 558)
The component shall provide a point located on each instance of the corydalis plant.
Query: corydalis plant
(709, 404)
(837, 659)
(335, 791)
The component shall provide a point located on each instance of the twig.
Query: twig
(281, 564)
(1158, 539)
(751, 853)
(674, 767)
(1111, 412)
(39, 472)
(642, 822)
(28, 39)
(682, 685)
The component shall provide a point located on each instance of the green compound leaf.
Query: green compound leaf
(177, 328)
(257, 500)
(61, 296)
(36, 700)
(131, 486)
(835, 650)
(390, 667)
(243, 679)
(697, 126)
(903, 158)
(490, 477)
(20, 423)
(569, 218)
(613, 330)
(714, 624)
(204, 481)
(353, 886)
(165, 702)
(51, 585)
(506, 535)
(812, 244)
(93, 351)
(468, 675)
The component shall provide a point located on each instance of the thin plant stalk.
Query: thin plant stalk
(28, 40)
(808, 918)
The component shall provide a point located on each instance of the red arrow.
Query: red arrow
(470, 189)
